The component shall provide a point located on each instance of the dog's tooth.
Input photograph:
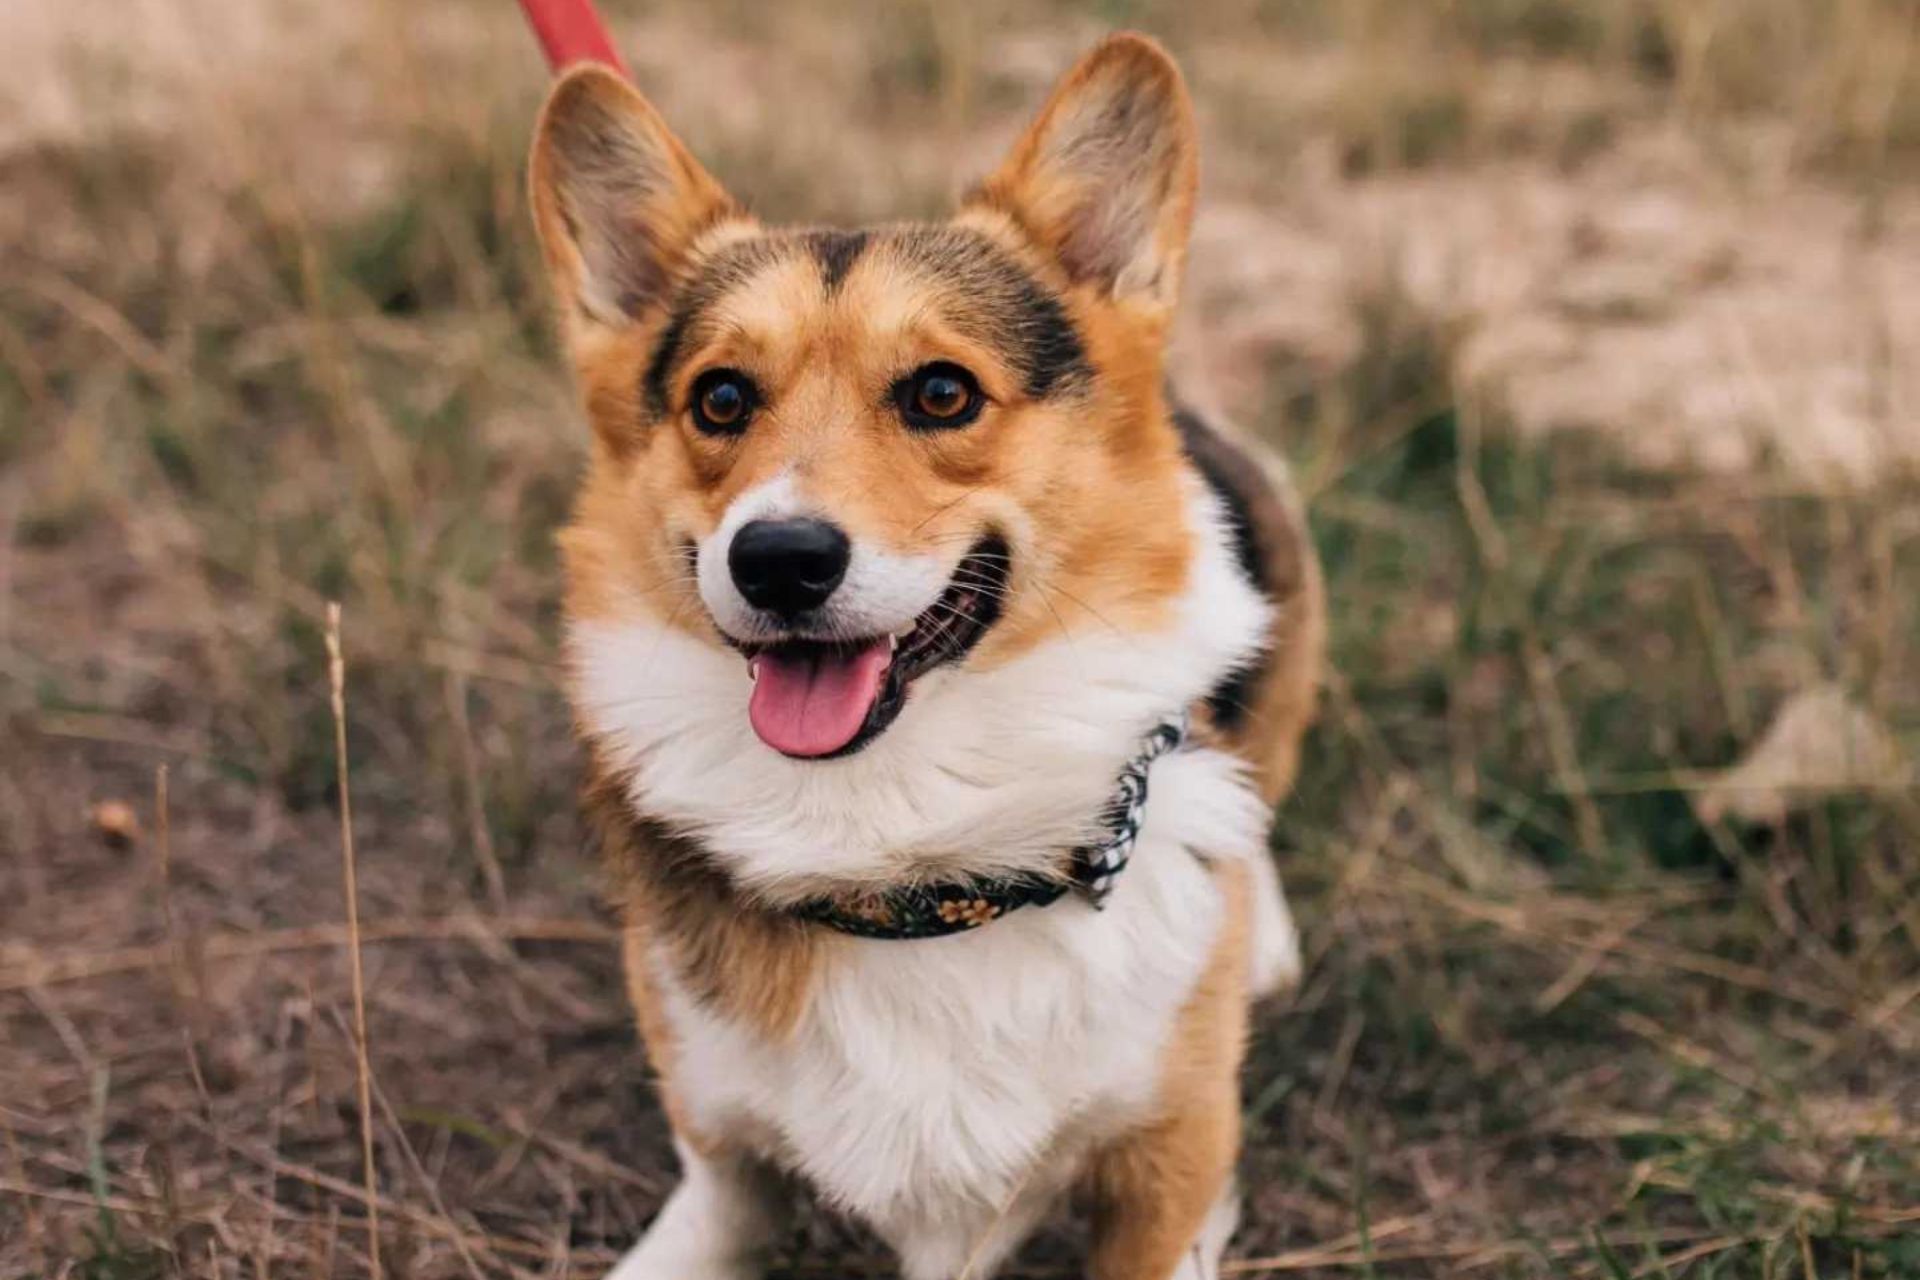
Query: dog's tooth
(753, 670)
(893, 643)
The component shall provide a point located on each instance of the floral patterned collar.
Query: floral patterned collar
(936, 910)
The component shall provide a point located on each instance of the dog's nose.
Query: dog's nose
(788, 566)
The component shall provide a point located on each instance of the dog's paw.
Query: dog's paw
(646, 1262)
(718, 1224)
(671, 1252)
(1202, 1261)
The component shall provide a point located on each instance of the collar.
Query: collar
(936, 910)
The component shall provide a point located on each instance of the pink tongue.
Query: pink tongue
(812, 701)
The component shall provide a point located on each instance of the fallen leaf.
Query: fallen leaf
(1821, 744)
(115, 822)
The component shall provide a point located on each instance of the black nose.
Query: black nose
(788, 566)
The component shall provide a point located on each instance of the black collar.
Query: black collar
(935, 910)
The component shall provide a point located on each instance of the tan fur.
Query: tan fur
(757, 966)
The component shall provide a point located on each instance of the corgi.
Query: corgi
(938, 674)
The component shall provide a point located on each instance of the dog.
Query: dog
(938, 674)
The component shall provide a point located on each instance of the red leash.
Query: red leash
(570, 31)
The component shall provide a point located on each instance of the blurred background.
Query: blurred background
(1590, 326)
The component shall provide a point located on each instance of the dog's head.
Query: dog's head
(858, 459)
(886, 553)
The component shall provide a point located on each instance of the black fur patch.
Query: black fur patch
(836, 251)
(1004, 306)
(1227, 472)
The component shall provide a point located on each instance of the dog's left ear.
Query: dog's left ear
(1105, 176)
(617, 199)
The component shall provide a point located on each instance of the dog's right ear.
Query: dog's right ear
(617, 199)
(1104, 178)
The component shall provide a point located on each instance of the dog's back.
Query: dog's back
(1263, 710)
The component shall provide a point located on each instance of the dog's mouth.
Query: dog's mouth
(817, 699)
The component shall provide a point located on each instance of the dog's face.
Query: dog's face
(854, 462)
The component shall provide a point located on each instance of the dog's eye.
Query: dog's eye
(937, 396)
(723, 400)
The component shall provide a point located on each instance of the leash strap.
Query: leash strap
(570, 31)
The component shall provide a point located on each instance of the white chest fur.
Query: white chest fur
(933, 1082)
(943, 1088)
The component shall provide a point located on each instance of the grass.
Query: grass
(1532, 950)
(1417, 83)
(1555, 1022)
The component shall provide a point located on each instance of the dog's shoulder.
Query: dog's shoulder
(753, 965)
(1261, 709)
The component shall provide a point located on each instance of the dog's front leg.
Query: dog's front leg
(1165, 1202)
(720, 1223)
(1163, 1196)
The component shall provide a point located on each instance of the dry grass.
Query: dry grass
(271, 335)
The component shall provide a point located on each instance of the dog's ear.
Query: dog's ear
(1104, 178)
(617, 199)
